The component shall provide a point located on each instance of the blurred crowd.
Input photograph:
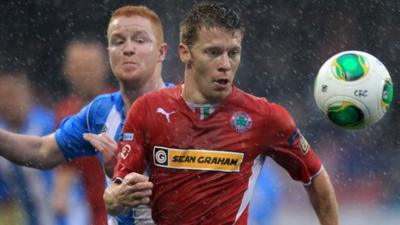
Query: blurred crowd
(285, 44)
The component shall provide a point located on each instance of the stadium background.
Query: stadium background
(285, 44)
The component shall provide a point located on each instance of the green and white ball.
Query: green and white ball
(353, 89)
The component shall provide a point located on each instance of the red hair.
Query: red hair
(144, 12)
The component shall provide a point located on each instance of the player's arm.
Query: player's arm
(132, 191)
(292, 151)
(323, 200)
(32, 151)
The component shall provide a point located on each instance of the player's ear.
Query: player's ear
(184, 53)
(162, 51)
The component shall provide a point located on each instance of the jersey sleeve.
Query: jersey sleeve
(69, 136)
(290, 149)
(130, 154)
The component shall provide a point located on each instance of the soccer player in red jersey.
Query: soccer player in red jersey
(204, 141)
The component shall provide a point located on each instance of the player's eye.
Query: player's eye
(233, 53)
(141, 38)
(117, 42)
(213, 52)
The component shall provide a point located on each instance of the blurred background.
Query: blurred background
(285, 44)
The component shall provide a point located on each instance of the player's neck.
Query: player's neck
(189, 95)
(133, 90)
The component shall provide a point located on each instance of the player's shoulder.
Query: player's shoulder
(101, 105)
(245, 97)
(106, 100)
(269, 110)
(252, 101)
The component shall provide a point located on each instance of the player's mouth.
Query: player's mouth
(221, 83)
(129, 65)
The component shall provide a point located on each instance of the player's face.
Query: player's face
(133, 48)
(213, 61)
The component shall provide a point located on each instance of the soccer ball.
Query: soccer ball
(353, 89)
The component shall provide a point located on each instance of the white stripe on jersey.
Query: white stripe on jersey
(112, 122)
(256, 168)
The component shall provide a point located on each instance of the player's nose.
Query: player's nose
(225, 63)
(129, 48)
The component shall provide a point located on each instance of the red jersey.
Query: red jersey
(204, 171)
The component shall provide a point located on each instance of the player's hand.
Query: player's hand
(107, 146)
(134, 190)
(137, 190)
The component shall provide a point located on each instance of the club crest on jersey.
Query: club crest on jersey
(301, 141)
(241, 122)
(125, 151)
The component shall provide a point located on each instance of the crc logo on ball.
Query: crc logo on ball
(361, 93)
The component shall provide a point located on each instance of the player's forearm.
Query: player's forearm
(28, 150)
(323, 200)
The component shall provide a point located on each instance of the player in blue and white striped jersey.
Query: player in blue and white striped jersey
(136, 49)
